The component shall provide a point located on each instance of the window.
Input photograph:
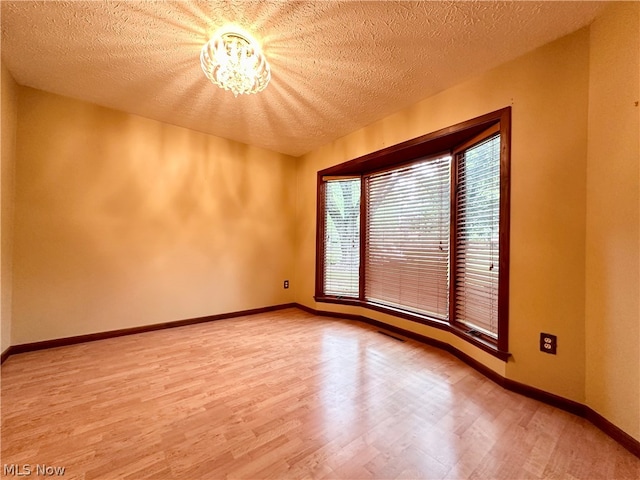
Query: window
(421, 230)
(342, 237)
(477, 246)
(407, 237)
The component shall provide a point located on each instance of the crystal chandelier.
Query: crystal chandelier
(234, 62)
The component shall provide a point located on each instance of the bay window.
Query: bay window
(420, 230)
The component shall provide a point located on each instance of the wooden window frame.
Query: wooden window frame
(445, 141)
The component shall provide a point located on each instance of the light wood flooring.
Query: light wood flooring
(284, 395)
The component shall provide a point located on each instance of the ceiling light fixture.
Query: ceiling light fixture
(233, 61)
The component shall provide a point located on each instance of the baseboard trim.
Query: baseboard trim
(576, 408)
(6, 354)
(620, 436)
(92, 337)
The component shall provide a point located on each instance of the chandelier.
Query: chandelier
(234, 62)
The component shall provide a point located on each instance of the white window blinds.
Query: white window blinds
(342, 237)
(477, 237)
(407, 237)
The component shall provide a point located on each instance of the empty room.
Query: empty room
(320, 239)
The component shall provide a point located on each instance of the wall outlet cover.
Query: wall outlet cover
(548, 343)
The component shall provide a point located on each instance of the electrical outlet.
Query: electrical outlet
(548, 343)
(286, 284)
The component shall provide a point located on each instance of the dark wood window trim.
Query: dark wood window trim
(449, 140)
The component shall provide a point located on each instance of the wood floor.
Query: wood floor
(284, 395)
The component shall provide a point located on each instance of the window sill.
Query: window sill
(481, 343)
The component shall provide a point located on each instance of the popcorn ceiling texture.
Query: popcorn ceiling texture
(336, 66)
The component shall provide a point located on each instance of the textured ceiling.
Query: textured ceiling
(336, 65)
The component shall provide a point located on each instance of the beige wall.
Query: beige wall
(123, 221)
(8, 127)
(548, 89)
(613, 219)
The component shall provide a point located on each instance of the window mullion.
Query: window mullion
(364, 206)
(453, 233)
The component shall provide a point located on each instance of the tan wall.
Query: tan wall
(8, 127)
(548, 89)
(613, 219)
(123, 221)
